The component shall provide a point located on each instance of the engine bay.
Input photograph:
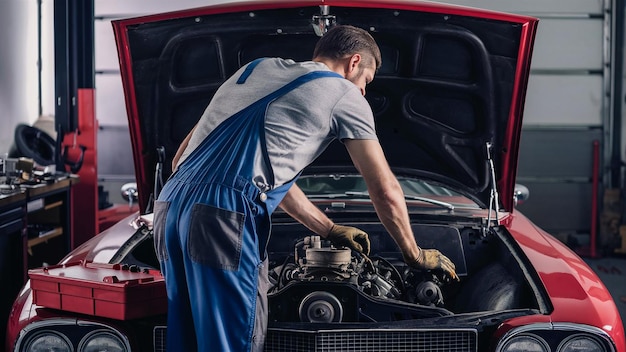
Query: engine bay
(322, 284)
(311, 281)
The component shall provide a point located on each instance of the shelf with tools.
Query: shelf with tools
(48, 222)
(35, 225)
(44, 237)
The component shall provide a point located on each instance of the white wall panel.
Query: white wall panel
(529, 6)
(563, 100)
(105, 49)
(572, 7)
(110, 105)
(568, 43)
(144, 7)
(536, 6)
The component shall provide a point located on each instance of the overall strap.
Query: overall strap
(248, 70)
(300, 81)
(289, 86)
(264, 102)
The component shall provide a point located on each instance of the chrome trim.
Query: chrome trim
(322, 337)
(154, 338)
(28, 329)
(521, 194)
(324, 21)
(595, 331)
(374, 330)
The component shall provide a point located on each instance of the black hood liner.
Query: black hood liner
(444, 89)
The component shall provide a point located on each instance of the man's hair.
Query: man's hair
(343, 40)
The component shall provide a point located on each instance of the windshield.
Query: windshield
(353, 186)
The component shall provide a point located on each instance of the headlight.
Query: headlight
(556, 337)
(526, 343)
(580, 343)
(48, 341)
(71, 335)
(101, 341)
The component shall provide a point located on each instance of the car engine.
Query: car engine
(323, 284)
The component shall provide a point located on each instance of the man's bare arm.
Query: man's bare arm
(385, 192)
(298, 206)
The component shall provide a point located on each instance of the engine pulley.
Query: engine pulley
(320, 307)
(428, 293)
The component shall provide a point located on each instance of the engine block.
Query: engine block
(324, 284)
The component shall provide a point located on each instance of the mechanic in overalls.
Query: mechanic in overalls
(264, 125)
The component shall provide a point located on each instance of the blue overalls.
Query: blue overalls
(211, 226)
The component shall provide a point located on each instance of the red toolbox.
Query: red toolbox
(105, 290)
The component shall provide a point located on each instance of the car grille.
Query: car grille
(383, 340)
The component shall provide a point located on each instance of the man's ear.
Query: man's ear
(354, 62)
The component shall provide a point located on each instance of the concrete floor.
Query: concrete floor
(612, 272)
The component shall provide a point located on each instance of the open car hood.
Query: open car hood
(452, 82)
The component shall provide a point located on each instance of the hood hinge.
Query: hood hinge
(322, 22)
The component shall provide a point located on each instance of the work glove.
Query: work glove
(432, 259)
(351, 237)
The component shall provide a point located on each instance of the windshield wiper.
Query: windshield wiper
(328, 195)
(448, 206)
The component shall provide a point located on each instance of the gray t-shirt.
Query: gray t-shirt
(298, 125)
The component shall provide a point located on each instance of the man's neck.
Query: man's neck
(334, 65)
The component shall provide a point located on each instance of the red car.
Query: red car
(448, 102)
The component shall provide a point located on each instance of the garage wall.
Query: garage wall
(566, 110)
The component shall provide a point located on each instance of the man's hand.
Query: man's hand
(351, 237)
(432, 259)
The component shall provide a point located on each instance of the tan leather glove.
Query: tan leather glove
(351, 237)
(432, 259)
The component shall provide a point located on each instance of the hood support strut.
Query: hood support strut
(493, 197)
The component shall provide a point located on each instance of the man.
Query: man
(263, 126)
